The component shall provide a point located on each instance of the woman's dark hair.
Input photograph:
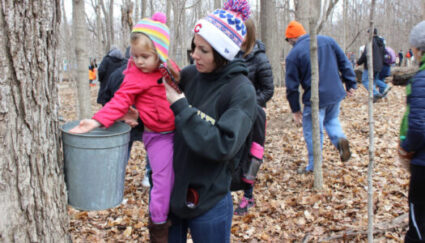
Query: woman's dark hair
(219, 60)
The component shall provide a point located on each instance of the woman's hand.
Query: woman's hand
(172, 95)
(85, 126)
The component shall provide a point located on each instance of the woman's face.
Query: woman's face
(203, 55)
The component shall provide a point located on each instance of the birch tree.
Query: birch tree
(80, 33)
(371, 128)
(32, 188)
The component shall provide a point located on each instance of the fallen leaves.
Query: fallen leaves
(287, 208)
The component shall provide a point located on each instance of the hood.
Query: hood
(115, 53)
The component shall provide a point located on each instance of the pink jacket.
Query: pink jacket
(142, 90)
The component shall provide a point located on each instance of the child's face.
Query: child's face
(203, 55)
(144, 57)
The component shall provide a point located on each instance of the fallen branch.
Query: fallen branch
(379, 229)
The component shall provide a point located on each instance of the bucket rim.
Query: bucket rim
(89, 134)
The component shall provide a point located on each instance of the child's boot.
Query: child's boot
(158, 233)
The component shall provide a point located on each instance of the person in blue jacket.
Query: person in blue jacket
(411, 148)
(333, 64)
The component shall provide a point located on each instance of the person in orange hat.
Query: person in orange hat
(333, 64)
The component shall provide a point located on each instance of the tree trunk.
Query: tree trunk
(80, 33)
(217, 4)
(126, 22)
(314, 61)
(371, 128)
(32, 187)
(269, 35)
(143, 6)
(151, 7)
(301, 13)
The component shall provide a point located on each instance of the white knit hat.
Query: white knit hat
(224, 29)
(417, 36)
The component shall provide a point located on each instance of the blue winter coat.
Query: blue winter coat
(415, 138)
(332, 63)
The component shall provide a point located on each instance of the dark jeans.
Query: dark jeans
(211, 227)
(416, 231)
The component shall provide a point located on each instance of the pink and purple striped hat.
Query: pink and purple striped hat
(157, 31)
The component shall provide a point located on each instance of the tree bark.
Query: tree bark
(317, 149)
(126, 22)
(371, 128)
(217, 4)
(80, 33)
(32, 188)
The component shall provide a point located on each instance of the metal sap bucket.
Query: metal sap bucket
(95, 165)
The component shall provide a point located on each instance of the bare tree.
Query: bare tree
(32, 188)
(143, 7)
(109, 19)
(315, 11)
(126, 22)
(371, 128)
(217, 4)
(80, 31)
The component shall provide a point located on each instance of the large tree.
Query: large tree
(32, 188)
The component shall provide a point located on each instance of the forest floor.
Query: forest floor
(287, 208)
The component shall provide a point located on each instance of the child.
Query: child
(149, 43)
(411, 148)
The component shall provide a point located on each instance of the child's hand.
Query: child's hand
(85, 126)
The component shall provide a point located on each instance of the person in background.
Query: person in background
(92, 73)
(332, 63)
(253, 52)
(400, 57)
(113, 60)
(378, 54)
(411, 149)
(209, 134)
(149, 43)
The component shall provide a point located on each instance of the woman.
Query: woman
(209, 134)
(253, 52)
(411, 149)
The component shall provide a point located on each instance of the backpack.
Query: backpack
(250, 156)
(389, 57)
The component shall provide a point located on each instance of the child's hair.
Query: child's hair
(141, 38)
(249, 43)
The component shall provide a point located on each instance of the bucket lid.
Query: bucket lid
(117, 128)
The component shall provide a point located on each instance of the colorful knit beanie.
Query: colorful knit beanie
(294, 30)
(224, 29)
(157, 31)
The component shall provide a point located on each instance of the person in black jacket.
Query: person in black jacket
(378, 53)
(253, 52)
(209, 135)
(109, 64)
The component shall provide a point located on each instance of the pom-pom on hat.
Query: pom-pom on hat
(157, 31)
(224, 29)
(294, 30)
(417, 36)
